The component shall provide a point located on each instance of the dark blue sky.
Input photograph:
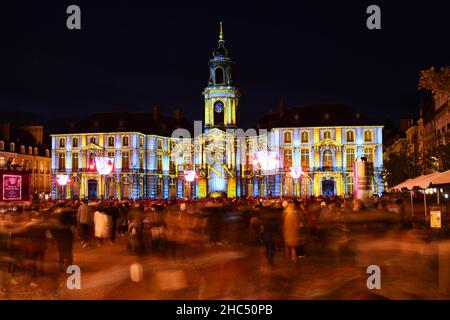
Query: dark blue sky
(132, 55)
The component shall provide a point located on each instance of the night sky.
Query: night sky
(132, 55)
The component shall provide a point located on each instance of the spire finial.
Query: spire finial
(221, 31)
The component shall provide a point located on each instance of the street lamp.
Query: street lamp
(62, 180)
(104, 167)
(190, 176)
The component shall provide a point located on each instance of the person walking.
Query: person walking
(84, 220)
(291, 232)
(102, 225)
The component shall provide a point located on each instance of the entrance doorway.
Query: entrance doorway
(328, 187)
(92, 188)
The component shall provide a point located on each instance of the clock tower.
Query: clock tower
(221, 96)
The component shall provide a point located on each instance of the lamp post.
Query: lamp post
(62, 180)
(104, 166)
(190, 176)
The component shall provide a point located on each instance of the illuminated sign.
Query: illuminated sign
(12, 187)
(104, 165)
(62, 179)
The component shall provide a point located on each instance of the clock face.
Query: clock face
(218, 106)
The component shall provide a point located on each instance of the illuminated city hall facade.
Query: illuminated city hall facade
(303, 151)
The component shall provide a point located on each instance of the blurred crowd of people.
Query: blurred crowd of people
(168, 227)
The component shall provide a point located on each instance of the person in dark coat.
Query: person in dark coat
(62, 234)
(36, 245)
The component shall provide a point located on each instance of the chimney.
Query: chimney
(37, 131)
(177, 114)
(281, 108)
(4, 130)
(156, 113)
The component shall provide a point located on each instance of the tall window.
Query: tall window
(305, 159)
(349, 182)
(350, 158)
(159, 162)
(305, 137)
(327, 135)
(91, 161)
(92, 140)
(110, 141)
(141, 161)
(159, 144)
(350, 136)
(75, 161)
(288, 137)
(75, 142)
(287, 159)
(62, 143)
(368, 153)
(171, 164)
(111, 154)
(62, 162)
(368, 136)
(327, 160)
(141, 141)
(125, 141)
(219, 75)
(125, 161)
(159, 190)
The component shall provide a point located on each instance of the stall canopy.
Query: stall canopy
(425, 181)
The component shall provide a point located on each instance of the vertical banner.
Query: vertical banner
(12, 187)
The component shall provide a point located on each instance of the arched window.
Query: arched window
(368, 136)
(75, 143)
(305, 137)
(327, 160)
(287, 137)
(92, 140)
(62, 143)
(327, 135)
(350, 136)
(219, 75)
(110, 141)
(125, 141)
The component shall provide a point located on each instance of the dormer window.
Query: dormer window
(30, 150)
(368, 136)
(35, 151)
(287, 137)
(110, 141)
(62, 143)
(12, 147)
(350, 136)
(125, 141)
(305, 137)
(22, 149)
(47, 153)
(2, 145)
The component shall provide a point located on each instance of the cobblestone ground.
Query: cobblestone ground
(409, 270)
